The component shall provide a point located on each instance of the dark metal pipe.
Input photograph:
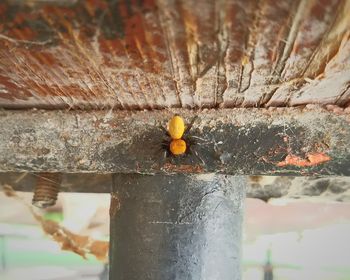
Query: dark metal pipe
(176, 227)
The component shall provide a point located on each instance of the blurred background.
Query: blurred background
(285, 238)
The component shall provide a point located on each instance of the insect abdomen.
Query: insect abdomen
(176, 127)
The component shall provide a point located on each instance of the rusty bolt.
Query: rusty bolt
(46, 190)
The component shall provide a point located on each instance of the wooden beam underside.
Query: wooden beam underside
(300, 141)
(156, 54)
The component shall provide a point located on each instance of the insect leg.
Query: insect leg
(188, 128)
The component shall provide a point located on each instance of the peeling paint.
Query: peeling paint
(312, 159)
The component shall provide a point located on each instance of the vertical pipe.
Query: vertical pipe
(176, 227)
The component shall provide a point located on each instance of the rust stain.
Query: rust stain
(2, 9)
(312, 159)
(185, 168)
(255, 179)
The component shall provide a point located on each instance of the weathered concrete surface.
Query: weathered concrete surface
(230, 141)
(318, 189)
(165, 54)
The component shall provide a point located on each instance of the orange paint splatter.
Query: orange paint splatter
(312, 159)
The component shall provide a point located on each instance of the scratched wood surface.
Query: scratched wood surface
(154, 54)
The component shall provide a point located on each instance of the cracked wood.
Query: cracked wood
(159, 54)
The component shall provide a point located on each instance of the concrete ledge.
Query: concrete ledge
(263, 187)
(229, 141)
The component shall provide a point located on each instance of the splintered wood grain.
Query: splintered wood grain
(157, 54)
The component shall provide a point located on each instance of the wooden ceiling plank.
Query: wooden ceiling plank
(159, 54)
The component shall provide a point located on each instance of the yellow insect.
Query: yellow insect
(176, 127)
(178, 147)
(177, 144)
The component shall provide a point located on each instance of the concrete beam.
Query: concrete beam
(230, 141)
(261, 187)
(176, 227)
